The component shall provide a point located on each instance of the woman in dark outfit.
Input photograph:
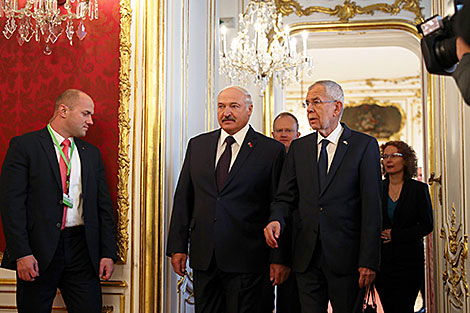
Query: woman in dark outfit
(407, 218)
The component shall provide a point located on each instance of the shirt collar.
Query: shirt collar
(333, 137)
(238, 136)
(59, 138)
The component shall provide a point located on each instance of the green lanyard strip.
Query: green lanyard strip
(67, 163)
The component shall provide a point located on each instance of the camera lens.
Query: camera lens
(446, 53)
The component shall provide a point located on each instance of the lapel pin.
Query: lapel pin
(345, 142)
(249, 144)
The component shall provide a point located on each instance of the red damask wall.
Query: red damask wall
(30, 81)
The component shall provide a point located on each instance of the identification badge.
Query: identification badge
(68, 201)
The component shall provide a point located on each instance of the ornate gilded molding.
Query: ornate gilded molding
(185, 288)
(350, 9)
(383, 104)
(455, 255)
(107, 309)
(124, 129)
(433, 179)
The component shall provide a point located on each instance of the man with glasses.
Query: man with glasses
(285, 128)
(331, 184)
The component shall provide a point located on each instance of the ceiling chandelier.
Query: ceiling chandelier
(263, 49)
(46, 20)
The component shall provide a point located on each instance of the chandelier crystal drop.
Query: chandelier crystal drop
(262, 49)
(46, 20)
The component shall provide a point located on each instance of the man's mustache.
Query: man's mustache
(228, 119)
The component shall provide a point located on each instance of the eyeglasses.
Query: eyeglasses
(316, 102)
(391, 156)
(284, 130)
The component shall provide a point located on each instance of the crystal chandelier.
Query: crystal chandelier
(46, 19)
(262, 49)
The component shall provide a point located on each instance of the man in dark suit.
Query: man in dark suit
(331, 181)
(221, 204)
(57, 213)
(285, 130)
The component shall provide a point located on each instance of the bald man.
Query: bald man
(57, 213)
(227, 182)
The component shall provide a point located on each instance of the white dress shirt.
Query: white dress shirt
(74, 214)
(333, 138)
(239, 138)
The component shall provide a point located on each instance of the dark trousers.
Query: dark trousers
(216, 291)
(398, 288)
(71, 271)
(318, 285)
(287, 300)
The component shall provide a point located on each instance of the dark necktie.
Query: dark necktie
(63, 176)
(323, 164)
(223, 165)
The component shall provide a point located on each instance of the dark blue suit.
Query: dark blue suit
(225, 227)
(337, 228)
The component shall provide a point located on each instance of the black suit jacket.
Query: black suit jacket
(228, 223)
(412, 221)
(346, 215)
(31, 201)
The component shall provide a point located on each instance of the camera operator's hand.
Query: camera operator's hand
(462, 48)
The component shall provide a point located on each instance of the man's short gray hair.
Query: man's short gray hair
(333, 89)
(248, 99)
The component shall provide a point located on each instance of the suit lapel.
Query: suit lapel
(311, 161)
(247, 147)
(48, 146)
(339, 155)
(84, 162)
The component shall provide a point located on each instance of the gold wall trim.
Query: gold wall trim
(124, 129)
(385, 24)
(151, 262)
(268, 109)
(212, 25)
(455, 256)
(349, 9)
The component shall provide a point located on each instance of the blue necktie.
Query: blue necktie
(323, 164)
(222, 169)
